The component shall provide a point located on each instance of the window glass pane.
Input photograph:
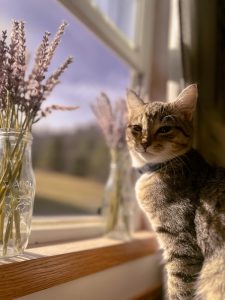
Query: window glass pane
(69, 155)
(121, 13)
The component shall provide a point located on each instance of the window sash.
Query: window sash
(138, 54)
(64, 228)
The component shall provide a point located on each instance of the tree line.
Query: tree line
(82, 152)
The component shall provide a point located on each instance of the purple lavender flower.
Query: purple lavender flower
(21, 99)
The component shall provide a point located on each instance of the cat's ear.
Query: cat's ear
(133, 101)
(187, 100)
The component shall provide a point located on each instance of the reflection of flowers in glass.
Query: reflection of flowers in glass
(117, 204)
(112, 121)
(21, 99)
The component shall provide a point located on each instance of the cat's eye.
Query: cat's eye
(164, 129)
(136, 128)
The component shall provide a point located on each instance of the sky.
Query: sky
(95, 68)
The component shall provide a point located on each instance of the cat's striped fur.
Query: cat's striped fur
(181, 196)
(210, 228)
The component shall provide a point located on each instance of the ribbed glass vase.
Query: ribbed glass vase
(17, 190)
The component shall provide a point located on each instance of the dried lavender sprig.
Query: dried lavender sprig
(40, 60)
(3, 61)
(48, 110)
(11, 65)
(18, 61)
(55, 42)
(53, 80)
(3, 48)
(45, 53)
(21, 58)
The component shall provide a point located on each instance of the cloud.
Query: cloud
(75, 94)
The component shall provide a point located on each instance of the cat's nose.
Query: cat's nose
(145, 144)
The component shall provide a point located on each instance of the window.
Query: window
(110, 21)
(122, 13)
(175, 81)
(67, 147)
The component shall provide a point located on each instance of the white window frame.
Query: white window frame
(52, 229)
(137, 54)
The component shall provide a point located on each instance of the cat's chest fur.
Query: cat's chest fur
(169, 201)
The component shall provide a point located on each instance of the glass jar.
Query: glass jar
(118, 202)
(17, 190)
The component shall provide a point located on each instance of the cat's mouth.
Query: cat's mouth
(143, 150)
(147, 154)
(149, 157)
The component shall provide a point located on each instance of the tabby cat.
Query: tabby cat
(183, 196)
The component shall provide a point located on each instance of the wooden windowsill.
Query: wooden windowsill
(45, 266)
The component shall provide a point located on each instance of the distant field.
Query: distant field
(56, 191)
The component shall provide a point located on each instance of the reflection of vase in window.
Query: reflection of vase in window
(119, 196)
(118, 199)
